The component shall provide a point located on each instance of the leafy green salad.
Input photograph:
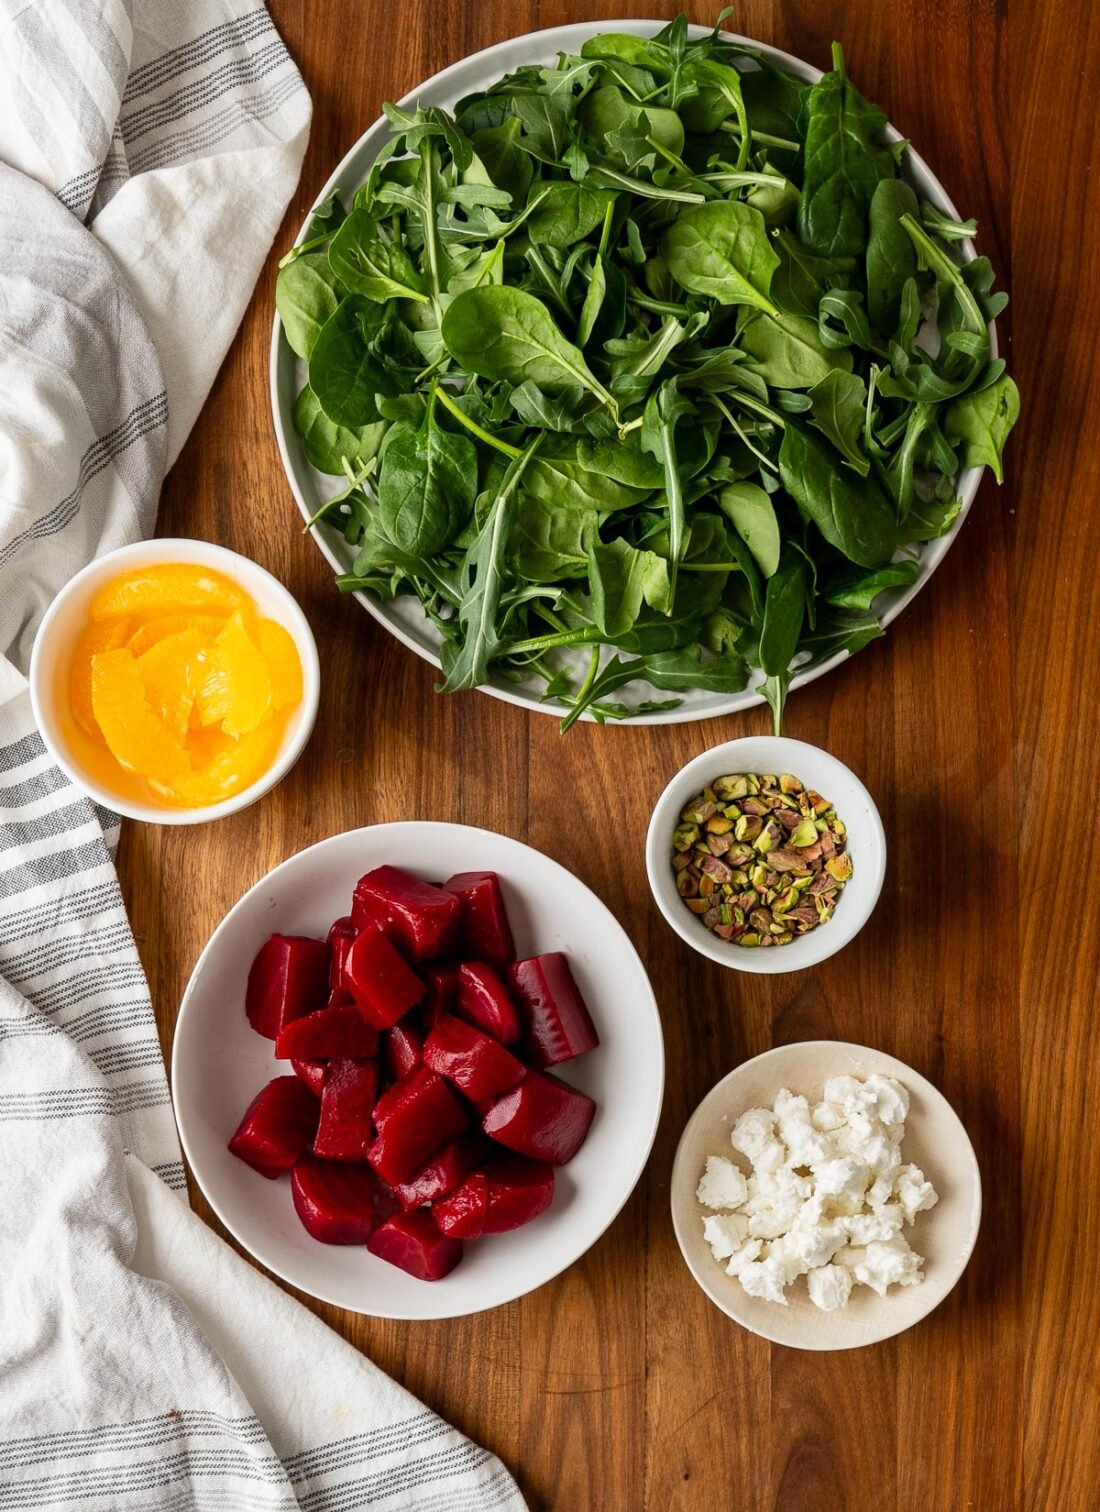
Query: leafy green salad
(653, 356)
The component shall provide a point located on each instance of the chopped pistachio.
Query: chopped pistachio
(805, 834)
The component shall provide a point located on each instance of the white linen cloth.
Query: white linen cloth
(148, 150)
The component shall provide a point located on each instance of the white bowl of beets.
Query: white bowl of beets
(418, 1053)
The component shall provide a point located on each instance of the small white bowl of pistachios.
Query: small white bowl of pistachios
(766, 854)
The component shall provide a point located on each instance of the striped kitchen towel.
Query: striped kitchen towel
(148, 150)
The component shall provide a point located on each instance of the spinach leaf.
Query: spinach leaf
(801, 277)
(751, 512)
(549, 544)
(509, 167)
(567, 213)
(843, 165)
(500, 332)
(852, 513)
(838, 407)
(328, 445)
(891, 261)
(722, 249)
(345, 369)
(784, 608)
(306, 294)
(982, 421)
(367, 264)
(787, 351)
(426, 486)
(851, 588)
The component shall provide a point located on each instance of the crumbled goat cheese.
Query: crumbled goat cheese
(827, 1198)
(722, 1184)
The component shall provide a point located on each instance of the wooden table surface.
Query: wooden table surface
(619, 1386)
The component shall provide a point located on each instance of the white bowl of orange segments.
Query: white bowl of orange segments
(174, 681)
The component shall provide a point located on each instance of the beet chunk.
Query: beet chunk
(508, 1193)
(444, 1171)
(336, 1203)
(542, 1118)
(441, 991)
(475, 1063)
(402, 1049)
(340, 935)
(412, 1242)
(483, 924)
(422, 919)
(384, 986)
(484, 1000)
(288, 978)
(414, 1118)
(277, 1127)
(312, 1072)
(347, 1102)
(329, 1033)
(559, 1025)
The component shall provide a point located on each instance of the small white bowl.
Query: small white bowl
(219, 1064)
(935, 1140)
(817, 770)
(67, 616)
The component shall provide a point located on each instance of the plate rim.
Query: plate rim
(933, 552)
(920, 1083)
(645, 1147)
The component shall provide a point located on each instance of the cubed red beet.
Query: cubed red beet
(340, 935)
(414, 1118)
(440, 991)
(384, 986)
(413, 1243)
(484, 931)
(338, 996)
(312, 1072)
(485, 1000)
(402, 1049)
(336, 1203)
(328, 1034)
(508, 1193)
(421, 918)
(277, 1127)
(474, 1062)
(558, 1025)
(453, 1163)
(542, 1118)
(347, 1102)
(288, 978)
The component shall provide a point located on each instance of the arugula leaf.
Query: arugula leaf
(468, 666)
(852, 588)
(837, 407)
(982, 422)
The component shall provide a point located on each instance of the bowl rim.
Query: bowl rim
(820, 943)
(915, 1081)
(470, 832)
(168, 549)
(932, 552)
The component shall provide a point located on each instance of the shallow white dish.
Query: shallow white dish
(219, 1064)
(404, 617)
(817, 770)
(935, 1140)
(67, 616)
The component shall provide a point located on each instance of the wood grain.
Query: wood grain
(618, 1386)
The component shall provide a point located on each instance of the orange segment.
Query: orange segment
(236, 765)
(94, 639)
(236, 691)
(283, 662)
(172, 672)
(172, 624)
(139, 740)
(167, 588)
